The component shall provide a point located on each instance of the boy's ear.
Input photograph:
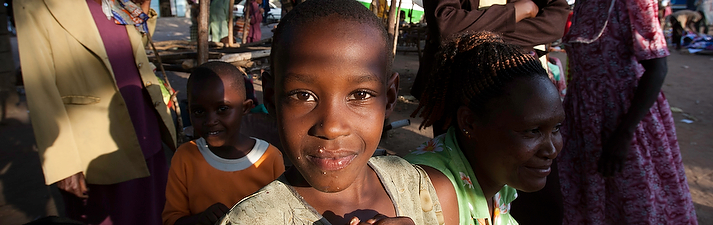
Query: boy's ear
(392, 91)
(268, 93)
(248, 104)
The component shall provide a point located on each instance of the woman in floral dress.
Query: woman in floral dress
(621, 162)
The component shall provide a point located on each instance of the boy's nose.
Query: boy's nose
(211, 119)
(331, 124)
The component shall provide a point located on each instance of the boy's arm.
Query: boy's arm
(177, 209)
(208, 217)
(176, 192)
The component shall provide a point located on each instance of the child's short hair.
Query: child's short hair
(473, 68)
(313, 10)
(217, 69)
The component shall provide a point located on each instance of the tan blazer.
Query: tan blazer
(80, 119)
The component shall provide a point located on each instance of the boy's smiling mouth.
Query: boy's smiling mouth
(331, 161)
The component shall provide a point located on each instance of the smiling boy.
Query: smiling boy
(214, 172)
(331, 91)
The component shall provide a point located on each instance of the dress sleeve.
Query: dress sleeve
(176, 189)
(53, 131)
(648, 39)
(452, 17)
(545, 28)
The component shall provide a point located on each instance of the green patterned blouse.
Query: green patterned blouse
(442, 153)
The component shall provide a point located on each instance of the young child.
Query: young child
(331, 91)
(503, 117)
(222, 166)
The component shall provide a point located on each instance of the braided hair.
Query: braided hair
(472, 69)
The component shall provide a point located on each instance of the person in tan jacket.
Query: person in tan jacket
(96, 107)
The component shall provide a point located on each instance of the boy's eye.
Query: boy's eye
(359, 95)
(222, 108)
(303, 96)
(197, 111)
(557, 128)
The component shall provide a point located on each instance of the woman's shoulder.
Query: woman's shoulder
(434, 153)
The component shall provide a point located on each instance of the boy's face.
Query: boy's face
(216, 107)
(332, 96)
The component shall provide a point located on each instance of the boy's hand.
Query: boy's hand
(75, 184)
(212, 214)
(381, 219)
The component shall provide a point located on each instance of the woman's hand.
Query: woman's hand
(616, 147)
(75, 184)
(614, 152)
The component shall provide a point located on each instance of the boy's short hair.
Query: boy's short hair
(313, 10)
(218, 69)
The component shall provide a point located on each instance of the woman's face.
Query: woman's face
(515, 141)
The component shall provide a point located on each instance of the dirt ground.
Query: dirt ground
(688, 86)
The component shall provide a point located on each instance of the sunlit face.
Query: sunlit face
(331, 94)
(521, 135)
(216, 109)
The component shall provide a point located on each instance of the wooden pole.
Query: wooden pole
(180, 136)
(391, 21)
(246, 24)
(203, 32)
(396, 29)
(230, 23)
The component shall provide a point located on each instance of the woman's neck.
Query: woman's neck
(483, 175)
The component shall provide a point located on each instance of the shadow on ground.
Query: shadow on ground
(25, 196)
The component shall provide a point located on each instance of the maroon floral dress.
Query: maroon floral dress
(606, 41)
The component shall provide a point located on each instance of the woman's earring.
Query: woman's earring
(467, 134)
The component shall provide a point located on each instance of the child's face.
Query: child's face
(216, 107)
(332, 95)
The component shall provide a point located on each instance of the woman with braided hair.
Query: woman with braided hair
(503, 116)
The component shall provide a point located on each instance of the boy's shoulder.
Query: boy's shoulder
(275, 203)
(185, 152)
